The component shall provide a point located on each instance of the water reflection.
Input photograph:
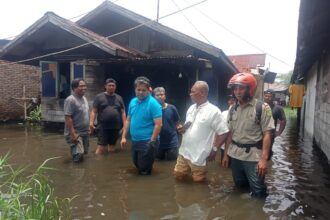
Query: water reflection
(108, 187)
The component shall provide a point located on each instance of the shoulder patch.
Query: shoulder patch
(268, 110)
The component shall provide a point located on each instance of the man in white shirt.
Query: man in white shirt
(203, 132)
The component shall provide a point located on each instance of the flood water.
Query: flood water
(109, 188)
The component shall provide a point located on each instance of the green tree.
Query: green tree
(284, 78)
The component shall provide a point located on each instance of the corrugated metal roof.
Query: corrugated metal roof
(209, 49)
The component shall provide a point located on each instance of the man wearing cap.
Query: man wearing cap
(277, 111)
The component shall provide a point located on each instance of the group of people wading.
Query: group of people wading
(246, 131)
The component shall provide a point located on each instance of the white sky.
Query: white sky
(271, 25)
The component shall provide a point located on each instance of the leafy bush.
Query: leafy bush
(35, 114)
(29, 197)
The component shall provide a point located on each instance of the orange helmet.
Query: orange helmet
(245, 79)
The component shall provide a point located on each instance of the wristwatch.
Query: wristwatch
(215, 149)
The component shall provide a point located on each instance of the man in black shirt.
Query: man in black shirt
(110, 110)
(277, 110)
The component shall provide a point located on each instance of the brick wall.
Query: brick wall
(13, 77)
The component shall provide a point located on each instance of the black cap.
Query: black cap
(269, 91)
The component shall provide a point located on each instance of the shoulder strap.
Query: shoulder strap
(231, 111)
(258, 111)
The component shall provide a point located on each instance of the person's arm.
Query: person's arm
(262, 164)
(217, 142)
(158, 126)
(225, 160)
(282, 120)
(72, 132)
(282, 127)
(92, 119)
(125, 130)
(123, 116)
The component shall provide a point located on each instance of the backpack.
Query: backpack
(257, 121)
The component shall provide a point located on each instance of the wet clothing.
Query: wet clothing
(79, 148)
(184, 167)
(245, 130)
(166, 153)
(107, 136)
(168, 135)
(143, 156)
(245, 176)
(109, 111)
(278, 114)
(197, 141)
(142, 114)
(77, 107)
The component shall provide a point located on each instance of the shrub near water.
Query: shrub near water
(29, 197)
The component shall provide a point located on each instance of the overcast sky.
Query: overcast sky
(270, 25)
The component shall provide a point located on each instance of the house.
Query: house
(253, 63)
(248, 62)
(312, 69)
(15, 78)
(112, 41)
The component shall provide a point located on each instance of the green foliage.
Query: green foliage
(29, 197)
(284, 78)
(35, 114)
(290, 113)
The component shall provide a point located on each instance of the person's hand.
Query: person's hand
(225, 161)
(212, 156)
(182, 128)
(123, 143)
(262, 167)
(91, 128)
(74, 137)
(152, 143)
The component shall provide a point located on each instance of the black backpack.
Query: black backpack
(257, 121)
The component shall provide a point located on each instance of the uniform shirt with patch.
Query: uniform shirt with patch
(245, 130)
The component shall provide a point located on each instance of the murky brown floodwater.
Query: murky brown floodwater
(108, 187)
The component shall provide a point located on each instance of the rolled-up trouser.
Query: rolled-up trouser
(143, 156)
(245, 175)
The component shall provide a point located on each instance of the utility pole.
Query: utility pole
(157, 19)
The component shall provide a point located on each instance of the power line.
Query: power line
(110, 36)
(190, 22)
(77, 16)
(241, 38)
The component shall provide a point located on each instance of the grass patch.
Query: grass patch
(290, 113)
(29, 197)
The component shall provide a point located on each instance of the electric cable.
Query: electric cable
(110, 36)
(241, 38)
(191, 23)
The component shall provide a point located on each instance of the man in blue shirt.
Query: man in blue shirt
(168, 143)
(144, 121)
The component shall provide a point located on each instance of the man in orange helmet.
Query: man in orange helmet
(249, 139)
